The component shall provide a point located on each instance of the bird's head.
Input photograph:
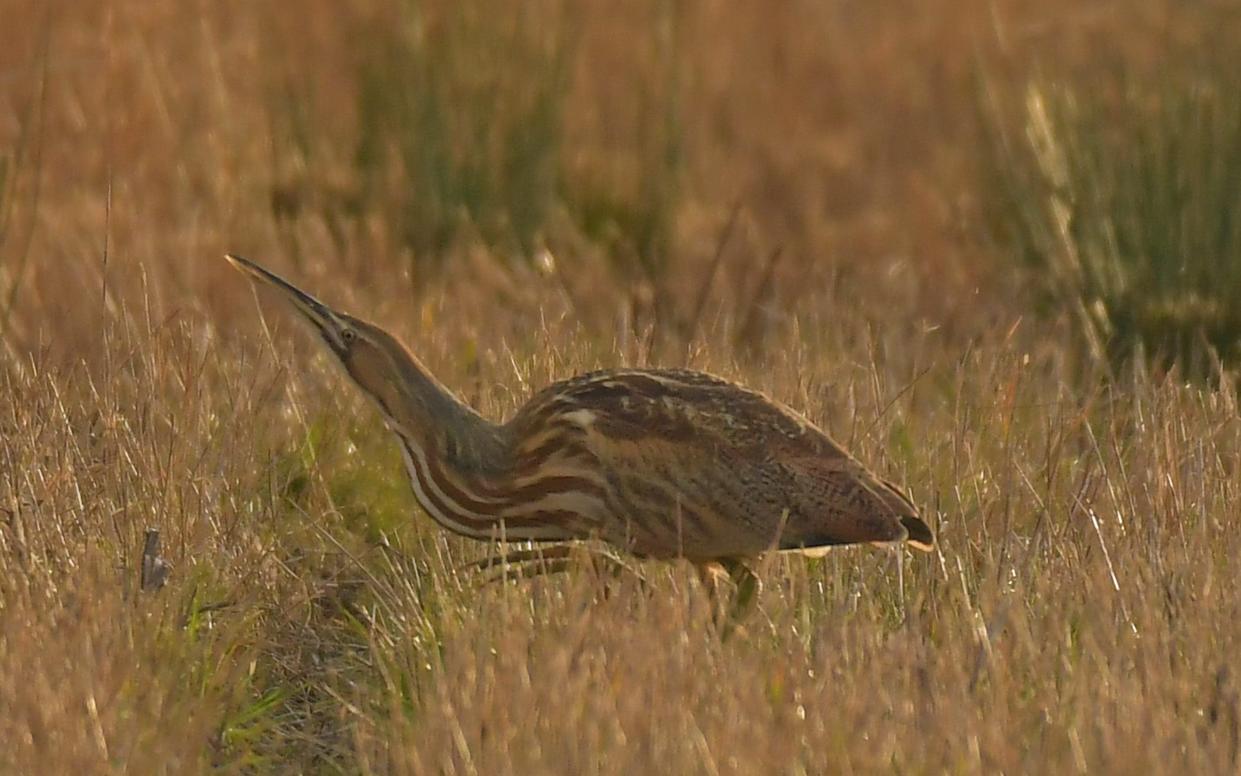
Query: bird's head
(371, 356)
(413, 403)
(342, 333)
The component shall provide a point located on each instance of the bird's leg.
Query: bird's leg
(746, 585)
(711, 574)
(523, 564)
(513, 560)
(545, 561)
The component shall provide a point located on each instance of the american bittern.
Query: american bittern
(660, 463)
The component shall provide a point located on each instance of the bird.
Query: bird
(658, 463)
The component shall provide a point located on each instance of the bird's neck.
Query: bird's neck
(427, 415)
(462, 467)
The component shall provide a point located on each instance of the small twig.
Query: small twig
(887, 406)
(155, 569)
(695, 319)
(746, 333)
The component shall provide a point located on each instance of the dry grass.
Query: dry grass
(1081, 611)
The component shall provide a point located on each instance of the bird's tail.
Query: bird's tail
(920, 535)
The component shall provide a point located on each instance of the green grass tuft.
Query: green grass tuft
(467, 105)
(1127, 208)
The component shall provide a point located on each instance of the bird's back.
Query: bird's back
(685, 463)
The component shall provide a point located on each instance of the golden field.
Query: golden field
(794, 195)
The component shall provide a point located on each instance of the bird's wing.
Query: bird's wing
(712, 468)
(842, 502)
(681, 405)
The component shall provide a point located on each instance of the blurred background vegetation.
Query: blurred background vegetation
(707, 161)
(1122, 197)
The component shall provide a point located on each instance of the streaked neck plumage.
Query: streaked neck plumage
(460, 465)
(418, 408)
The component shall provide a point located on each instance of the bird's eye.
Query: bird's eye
(348, 335)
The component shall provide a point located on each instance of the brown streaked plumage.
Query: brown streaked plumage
(659, 462)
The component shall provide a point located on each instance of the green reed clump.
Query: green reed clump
(469, 128)
(464, 106)
(1127, 206)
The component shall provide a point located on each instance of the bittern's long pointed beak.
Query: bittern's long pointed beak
(327, 322)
